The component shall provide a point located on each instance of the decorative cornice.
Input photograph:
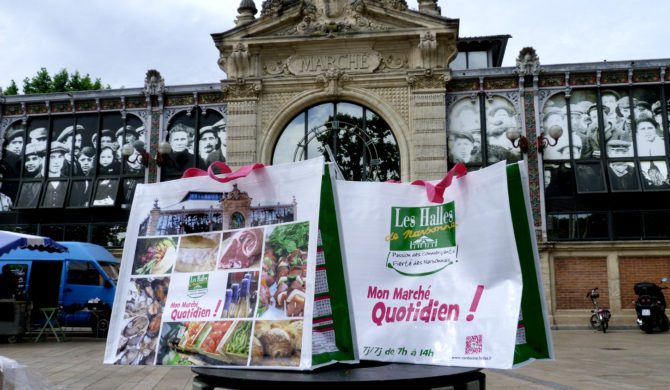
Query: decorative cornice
(241, 89)
(333, 79)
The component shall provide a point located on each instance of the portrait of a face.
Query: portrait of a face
(179, 141)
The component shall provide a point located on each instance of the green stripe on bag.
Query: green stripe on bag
(330, 238)
(536, 345)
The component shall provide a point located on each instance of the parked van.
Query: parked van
(80, 283)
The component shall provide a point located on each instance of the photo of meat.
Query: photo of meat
(197, 253)
(154, 256)
(241, 249)
(241, 295)
(277, 343)
(142, 321)
(284, 272)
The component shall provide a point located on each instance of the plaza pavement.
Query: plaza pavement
(585, 359)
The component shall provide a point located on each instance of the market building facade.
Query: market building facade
(393, 93)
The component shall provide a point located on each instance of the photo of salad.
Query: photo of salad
(155, 256)
(284, 272)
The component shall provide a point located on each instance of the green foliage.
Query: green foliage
(62, 81)
(13, 89)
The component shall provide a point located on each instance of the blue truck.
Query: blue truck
(79, 283)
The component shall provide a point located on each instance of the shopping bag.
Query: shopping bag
(228, 270)
(435, 272)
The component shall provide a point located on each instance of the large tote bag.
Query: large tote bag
(229, 271)
(436, 274)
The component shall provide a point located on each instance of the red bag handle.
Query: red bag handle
(225, 169)
(436, 192)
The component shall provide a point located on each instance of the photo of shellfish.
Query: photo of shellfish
(155, 256)
(197, 253)
(277, 343)
(241, 249)
(142, 321)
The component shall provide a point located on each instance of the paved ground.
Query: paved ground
(621, 359)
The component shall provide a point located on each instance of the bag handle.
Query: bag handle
(435, 192)
(225, 169)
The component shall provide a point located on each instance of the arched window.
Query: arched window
(361, 141)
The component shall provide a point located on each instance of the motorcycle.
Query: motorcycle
(650, 306)
(600, 317)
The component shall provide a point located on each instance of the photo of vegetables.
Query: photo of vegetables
(241, 295)
(142, 321)
(197, 253)
(154, 256)
(277, 343)
(205, 343)
(241, 249)
(284, 272)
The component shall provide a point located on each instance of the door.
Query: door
(83, 282)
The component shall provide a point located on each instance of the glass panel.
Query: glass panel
(84, 148)
(559, 227)
(623, 176)
(590, 177)
(134, 164)
(29, 195)
(459, 63)
(655, 175)
(558, 180)
(211, 138)
(584, 124)
(618, 132)
(14, 142)
(37, 147)
(111, 269)
(464, 123)
(388, 165)
(109, 146)
(105, 192)
(501, 120)
(656, 224)
(83, 273)
(128, 192)
(648, 137)
(6, 202)
(627, 224)
(110, 236)
(554, 123)
(346, 111)
(54, 194)
(181, 135)
(54, 232)
(592, 226)
(76, 233)
(80, 194)
(317, 116)
(60, 148)
(293, 134)
(478, 60)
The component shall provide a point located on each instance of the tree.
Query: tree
(13, 89)
(62, 81)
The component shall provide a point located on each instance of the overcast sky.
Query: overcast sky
(118, 41)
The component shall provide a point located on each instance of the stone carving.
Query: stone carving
(392, 63)
(237, 65)
(276, 6)
(428, 80)
(335, 17)
(528, 63)
(362, 62)
(276, 68)
(154, 83)
(241, 90)
(332, 79)
(428, 49)
(246, 12)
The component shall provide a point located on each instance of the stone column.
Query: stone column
(242, 127)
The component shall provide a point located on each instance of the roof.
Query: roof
(76, 251)
(495, 43)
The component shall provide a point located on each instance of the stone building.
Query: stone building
(393, 93)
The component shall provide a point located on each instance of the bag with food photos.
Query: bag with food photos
(238, 269)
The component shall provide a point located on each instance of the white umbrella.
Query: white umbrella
(10, 241)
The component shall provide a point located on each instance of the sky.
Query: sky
(118, 41)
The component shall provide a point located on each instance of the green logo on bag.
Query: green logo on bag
(422, 240)
(197, 285)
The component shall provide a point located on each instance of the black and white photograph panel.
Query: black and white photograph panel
(29, 195)
(465, 134)
(80, 194)
(584, 123)
(623, 176)
(54, 194)
(502, 126)
(590, 177)
(106, 191)
(655, 175)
